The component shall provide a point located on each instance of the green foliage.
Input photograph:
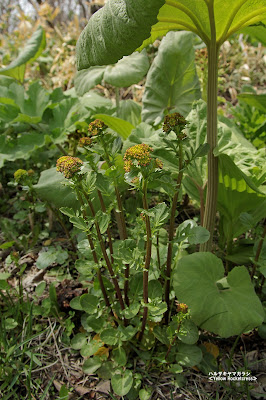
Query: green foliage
(51, 189)
(124, 73)
(124, 26)
(225, 306)
(172, 82)
(32, 50)
(194, 16)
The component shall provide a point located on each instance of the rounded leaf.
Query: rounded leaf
(89, 303)
(122, 382)
(188, 355)
(225, 306)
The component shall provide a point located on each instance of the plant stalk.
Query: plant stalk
(257, 255)
(109, 235)
(117, 100)
(105, 255)
(147, 260)
(95, 258)
(212, 185)
(121, 224)
(171, 233)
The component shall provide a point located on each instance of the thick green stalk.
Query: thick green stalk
(171, 233)
(147, 260)
(212, 185)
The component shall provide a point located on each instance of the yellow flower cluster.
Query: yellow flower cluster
(84, 141)
(174, 122)
(19, 174)
(69, 166)
(140, 155)
(96, 127)
(182, 308)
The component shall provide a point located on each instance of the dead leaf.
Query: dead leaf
(82, 390)
(102, 351)
(103, 387)
(212, 349)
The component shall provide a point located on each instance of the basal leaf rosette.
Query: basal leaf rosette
(225, 306)
(69, 166)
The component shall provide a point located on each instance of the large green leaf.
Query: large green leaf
(31, 51)
(87, 79)
(130, 111)
(121, 25)
(195, 15)
(172, 82)
(257, 32)
(236, 194)
(51, 188)
(230, 141)
(225, 306)
(30, 105)
(116, 30)
(20, 147)
(128, 70)
(123, 128)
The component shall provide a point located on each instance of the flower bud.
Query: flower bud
(96, 127)
(20, 174)
(182, 308)
(175, 122)
(84, 141)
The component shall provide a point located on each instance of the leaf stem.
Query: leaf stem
(95, 258)
(257, 256)
(121, 222)
(109, 235)
(212, 185)
(147, 259)
(171, 233)
(105, 256)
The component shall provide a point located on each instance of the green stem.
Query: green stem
(229, 247)
(61, 222)
(121, 222)
(147, 260)
(95, 258)
(171, 233)
(63, 151)
(117, 100)
(212, 185)
(105, 256)
(257, 256)
(158, 250)
(108, 229)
